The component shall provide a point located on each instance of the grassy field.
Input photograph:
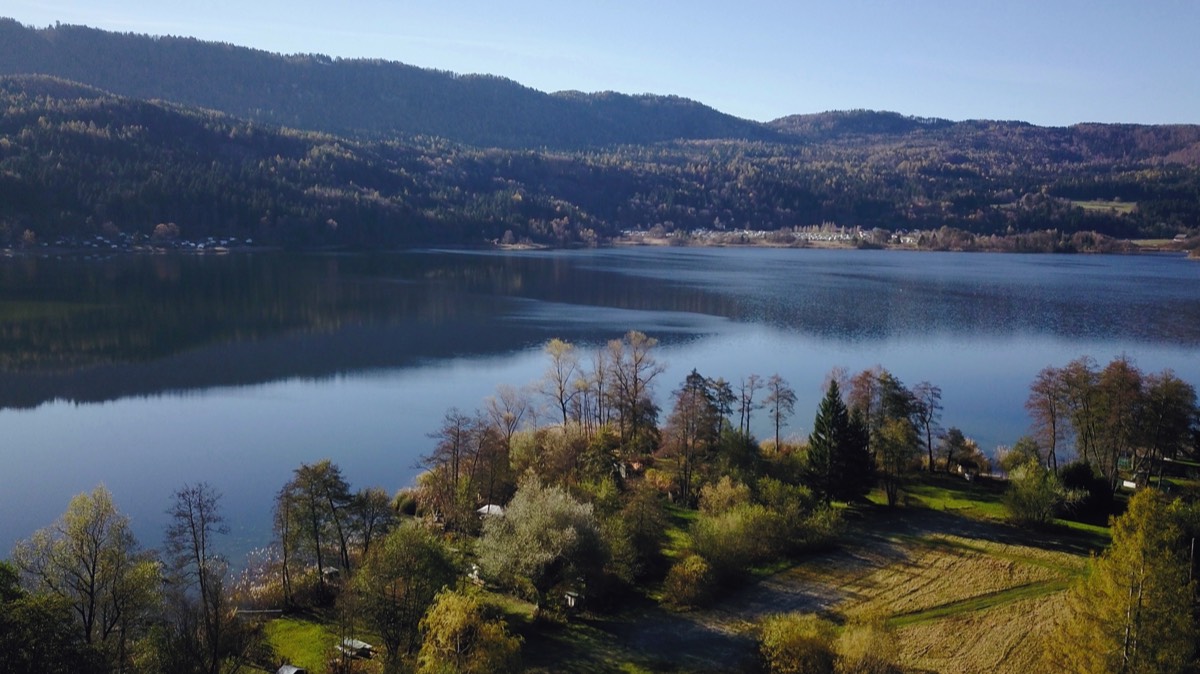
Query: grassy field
(964, 591)
(978, 499)
(303, 642)
(964, 604)
(1123, 207)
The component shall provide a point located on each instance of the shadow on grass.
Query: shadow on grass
(939, 505)
(641, 638)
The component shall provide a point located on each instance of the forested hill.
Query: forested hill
(76, 161)
(126, 133)
(366, 98)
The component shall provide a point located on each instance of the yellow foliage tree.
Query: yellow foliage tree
(1132, 613)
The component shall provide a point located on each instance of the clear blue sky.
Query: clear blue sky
(1050, 62)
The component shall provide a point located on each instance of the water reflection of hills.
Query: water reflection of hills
(86, 331)
(89, 331)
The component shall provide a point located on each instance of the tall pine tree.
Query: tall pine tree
(830, 431)
(838, 465)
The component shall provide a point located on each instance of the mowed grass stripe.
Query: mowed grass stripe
(981, 602)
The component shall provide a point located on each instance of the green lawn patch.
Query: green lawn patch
(679, 521)
(979, 499)
(1094, 536)
(303, 642)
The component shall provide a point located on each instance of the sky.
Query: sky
(1049, 62)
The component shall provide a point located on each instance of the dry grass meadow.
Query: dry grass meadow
(962, 591)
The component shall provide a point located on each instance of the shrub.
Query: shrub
(405, 502)
(645, 521)
(1034, 494)
(797, 643)
(689, 582)
(819, 530)
(804, 522)
(736, 539)
(723, 496)
(546, 537)
(1025, 450)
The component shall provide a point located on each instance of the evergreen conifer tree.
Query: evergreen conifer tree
(838, 465)
(831, 430)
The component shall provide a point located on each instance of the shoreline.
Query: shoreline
(1113, 247)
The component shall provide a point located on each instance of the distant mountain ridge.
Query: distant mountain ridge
(377, 99)
(365, 98)
(824, 125)
(105, 134)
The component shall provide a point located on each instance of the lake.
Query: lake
(148, 372)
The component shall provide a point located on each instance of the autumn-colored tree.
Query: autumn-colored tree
(1048, 406)
(558, 384)
(895, 448)
(90, 561)
(633, 367)
(313, 509)
(1132, 613)
(462, 635)
(198, 598)
(469, 455)
(746, 405)
(1169, 417)
(371, 517)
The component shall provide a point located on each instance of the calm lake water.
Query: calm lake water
(145, 373)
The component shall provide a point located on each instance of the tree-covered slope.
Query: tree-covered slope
(367, 98)
(77, 161)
